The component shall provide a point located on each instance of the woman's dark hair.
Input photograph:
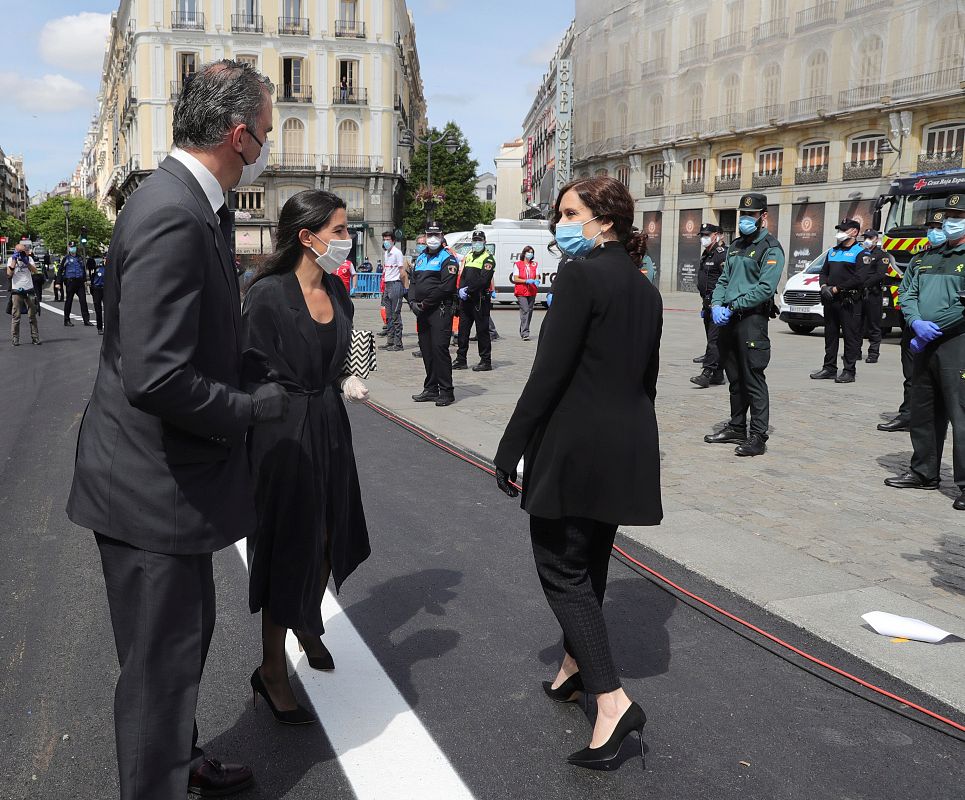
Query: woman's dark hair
(522, 253)
(610, 201)
(311, 209)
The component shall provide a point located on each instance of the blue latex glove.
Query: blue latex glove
(493, 295)
(720, 315)
(916, 345)
(463, 292)
(536, 282)
(925, 330)
(530, 282)
(549, 299)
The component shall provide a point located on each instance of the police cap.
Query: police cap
(955, 202)
(753, 201)
(935, 218)
(432, 227)
(479, 236)
(870, 234)
(708, 228)
(847, 225)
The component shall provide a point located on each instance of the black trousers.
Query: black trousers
(475, 312)
(435, 332)
(39, 290)
(907, 371)
(97, 298)
(163, 614)
(572, 558)
(75, 286)
(937, 399)
(871, 319)
(842, 318)
(712, 332)
(58, 291)
(745, 352)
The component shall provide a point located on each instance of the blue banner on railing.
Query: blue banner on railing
(367, 284)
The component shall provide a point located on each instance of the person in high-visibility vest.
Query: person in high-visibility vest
(526, 282)
(475, 303)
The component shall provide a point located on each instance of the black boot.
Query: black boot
(483, 366)
(445, 399)
(726, 436)
(718, 378)
(754, 446)
(460, 363)
(426, 396)
(824, 374)
(871, 359)
(703, 380)
(844, 377)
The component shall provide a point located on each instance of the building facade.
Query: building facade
(818, 104)
(486, 187)
(14, 195)
(347, 81)
(509, 177)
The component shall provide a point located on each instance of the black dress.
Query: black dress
(307, 495)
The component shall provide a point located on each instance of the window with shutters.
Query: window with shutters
(816, 74)
(656, 111)
(348, 138)
(814, 156)
(655, 173)
(950, 46)
(730, 166)
(946, 139)
(601, 173)
(869, 60)
(698, 30)
(293, 136)
(770, 161)
(771, 84)
(623, 175)
(731, 94)
(697, 103)
(863, 149)
(694, 169)
(247, 58)
(735, 17)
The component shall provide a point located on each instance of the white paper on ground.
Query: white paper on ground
(904, 627)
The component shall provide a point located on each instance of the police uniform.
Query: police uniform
(97, 296)
(874, 263)
(74, 274)
(708, 273)
(477, 275)
(431, 294)
(745, 291)
(935, 294)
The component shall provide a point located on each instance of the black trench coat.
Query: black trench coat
(585, 420)
(307, 496)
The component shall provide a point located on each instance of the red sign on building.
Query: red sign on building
(529, 170)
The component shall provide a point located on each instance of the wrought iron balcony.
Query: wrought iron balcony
(130, 105)
(293, 162)
(247, 23)
(933, 162)
(945, 80)
(653, 189)
(695, 186)
(862, 95)
(400, 107)
(187, 20)
(177, 87)
(694, 55)
(733, 43)
(619, 79)
(349, 163)
(764, 115)
(769, 31)
(862, 170)
(350, 96)
(293, 26)
(766, 180)
(809, 106)
(726, 122)
(816, 17)
(656, 135)
(690, 129)
(727, 183)
(653, 68)
(855, 7)
(294, 93)
(351, 28)
(811, 174)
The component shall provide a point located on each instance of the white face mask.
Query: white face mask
(868, 243)
(335, 254)
(841, 236)
(251, 172)
(433, 242)
(705, 242)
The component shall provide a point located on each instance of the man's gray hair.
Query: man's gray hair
(220, 96)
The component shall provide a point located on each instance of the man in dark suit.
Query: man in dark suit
(161, 473)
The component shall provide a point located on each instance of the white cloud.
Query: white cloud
(76, 43)
(49, 93)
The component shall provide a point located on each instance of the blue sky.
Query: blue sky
(481, 64)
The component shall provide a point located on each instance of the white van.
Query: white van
(505, 239)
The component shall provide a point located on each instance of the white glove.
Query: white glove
(354, 390)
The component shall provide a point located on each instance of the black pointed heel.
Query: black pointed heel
(323, 661)
(566, 692)
(297, 716)
(604, 756)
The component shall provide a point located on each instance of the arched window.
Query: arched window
(945, 139)
(293, 136)
(951, 43)
(771, 84)
(816, 74)
(623, 115)
(863, 149)
(814, 156)
(655, 173)
(770, 161)
(656, 111)
(869, 60)
(623, 175)
(694, 170)
(697, 104)
(352, 196)
(731, 97)
(730, 166)
(348, 138)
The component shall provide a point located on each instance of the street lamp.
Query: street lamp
(449, 140)
(67, 218)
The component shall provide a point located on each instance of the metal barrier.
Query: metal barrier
(367, 284)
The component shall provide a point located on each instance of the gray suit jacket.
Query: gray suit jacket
(160, 455)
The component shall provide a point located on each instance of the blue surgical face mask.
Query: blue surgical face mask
(386, 245)
(936, 237)
(478, 247)
(954, 228)
(420, 249)
(747, 225)
(72, 250)
(570, 238)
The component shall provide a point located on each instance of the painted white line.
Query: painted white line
(57, 310)
(381, 745)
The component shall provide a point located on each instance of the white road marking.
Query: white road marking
(381, 745)
(58, 310)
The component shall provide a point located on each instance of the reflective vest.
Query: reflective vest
(526, 271)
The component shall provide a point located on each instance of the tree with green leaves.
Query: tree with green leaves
(13, 228)
(487, 211)
(46, 221)
(453, 178)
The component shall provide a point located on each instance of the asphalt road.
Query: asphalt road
(451, 610)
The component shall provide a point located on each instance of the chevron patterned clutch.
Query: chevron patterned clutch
(361, 360)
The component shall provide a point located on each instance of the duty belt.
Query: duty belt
(750, 312)
(852, 295)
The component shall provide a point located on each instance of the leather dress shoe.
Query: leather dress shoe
(214, 779)
(445, 399)
(897, 424)
(754, 446)
(844, 377)
(699, 359)
(910, 480)
(426, 396)
(871, 359)
(68, 323)
(959, 504)
(88, 324)
(823, 375)
(459, 364)
(726, 436)
(483, 366)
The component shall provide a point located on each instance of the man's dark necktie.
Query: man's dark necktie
(224, 215)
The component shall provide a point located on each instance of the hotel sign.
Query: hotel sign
(564, 121)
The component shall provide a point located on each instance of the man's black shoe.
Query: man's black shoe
(68, 323)
(717, 379)
(726, 436)
(214, 779)
(88, 324)
(897, 424)
(959, 504)
(483, 366)
(426, 396)
(699, 359)
(460, 364)
(417, 354)
(473, 339)
(823, 374)
(702, 380)
(754, 446)
(844, 377)
(445, 399)
(494, 337)
(871, 359)
(910, 480)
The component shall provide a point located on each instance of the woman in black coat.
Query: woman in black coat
(586, 425)
(297, 320)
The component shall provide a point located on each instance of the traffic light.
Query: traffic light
(83, 235)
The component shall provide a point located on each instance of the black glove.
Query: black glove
(504, 482)
(417, 308)
(826, 294)
(269, 403)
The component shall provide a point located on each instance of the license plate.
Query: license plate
(800, 309)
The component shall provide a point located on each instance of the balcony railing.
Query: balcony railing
(350, 96)
(619, 79)
(766, 180)
(187, 20)
(653, 189)
(809, 106)
(130, 104)
(176, 88)
(769, 31)
(247, 23)
(294, 93)
(727, 184)
(693, 55)
(598, 86)
(933, 162)
(351, 28)
(811, 175)
(815, 17)
(695, 186)
(862, 170)
(653, 67)
(764, 115)
(293, 26)
(293, 162)
(400, 107)
(929, 83)
(855, 7)
(344, 163)
(862, 95)
(732, 43)
(726, 122)
(690, 129)
(657, 135)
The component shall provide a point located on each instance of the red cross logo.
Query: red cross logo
(919, 184)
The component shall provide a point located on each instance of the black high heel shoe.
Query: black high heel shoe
(602, 757)
(566, 692)
(297, 716)
(323, 661)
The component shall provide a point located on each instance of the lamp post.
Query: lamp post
(451, 143)
(67, 218)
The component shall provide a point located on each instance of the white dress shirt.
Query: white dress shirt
(392, 268)
(209, 183)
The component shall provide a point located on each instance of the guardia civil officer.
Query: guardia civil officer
(431, 295)
(708, 273)
(741, 306)
(475, 304)
(932, 304)
(936, 238)
(875, 262)
(73, 272)
(843, 292)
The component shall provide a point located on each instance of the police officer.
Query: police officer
(932, 305)
(475, 304)
(936, 238)
(431, 295)
(708, 273)
(97, 295)
(75, 283)
(842, 284)
(875, 263)
(741, 305)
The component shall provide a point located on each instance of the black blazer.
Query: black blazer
(160, 455)
(586, 420)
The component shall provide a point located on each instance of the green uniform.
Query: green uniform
(751, 272)
(932, 291)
